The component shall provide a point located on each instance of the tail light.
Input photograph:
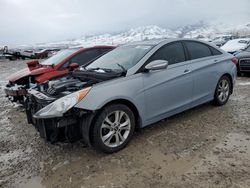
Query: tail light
(235, 61)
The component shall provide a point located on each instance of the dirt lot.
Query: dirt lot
(204, 147)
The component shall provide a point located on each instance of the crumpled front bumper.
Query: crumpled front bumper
(67, 128)
(15, 91)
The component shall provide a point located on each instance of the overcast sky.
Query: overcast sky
(33, 21)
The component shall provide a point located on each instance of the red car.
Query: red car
(58, 65)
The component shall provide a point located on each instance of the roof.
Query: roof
(152, 42)
(155, 42)
(92, 46)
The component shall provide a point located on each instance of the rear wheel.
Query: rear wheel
(222, 91)
(113, 128)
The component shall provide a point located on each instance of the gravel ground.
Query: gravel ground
(204, 147)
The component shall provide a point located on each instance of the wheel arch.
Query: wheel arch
(115, 101)
(129, 104)
(231, 81)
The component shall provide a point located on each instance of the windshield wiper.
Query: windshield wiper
(122, 67)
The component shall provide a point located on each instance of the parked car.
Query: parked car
(131, 87)
(221, 40)
(244, 61)
(236, 45)
(53, 51)
(7, 56)
(42, 54)
(25, 54)
(58, 65)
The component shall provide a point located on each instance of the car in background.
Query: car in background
(7, 56)
(244, 61)
(53, 51)
(42, 54)
(23, 54)
(221, 40)
(236, 45)
(131, 87)
(58, 65)
(45, 53)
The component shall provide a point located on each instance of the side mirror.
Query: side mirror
(73, 66)
(33, 63)
(157, 65)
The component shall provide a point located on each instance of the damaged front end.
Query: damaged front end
(54, 129)
(17, 91)
(50, 106)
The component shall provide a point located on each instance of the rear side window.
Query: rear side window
(173, 53)
(197, 50)
(104, 50)
(215, 51)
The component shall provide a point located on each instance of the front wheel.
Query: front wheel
(222, 91)
(113, 128)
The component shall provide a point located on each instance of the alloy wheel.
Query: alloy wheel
(223, 90)
(115, 128)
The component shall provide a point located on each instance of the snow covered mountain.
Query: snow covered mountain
(136, 34)
(200, 30)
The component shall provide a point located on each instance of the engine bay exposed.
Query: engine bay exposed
(77, 80)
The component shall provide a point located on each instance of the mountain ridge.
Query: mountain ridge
(200, 30)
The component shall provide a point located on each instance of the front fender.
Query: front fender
(129, 89)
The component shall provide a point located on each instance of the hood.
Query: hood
(27, 72)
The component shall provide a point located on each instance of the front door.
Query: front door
(168, 91)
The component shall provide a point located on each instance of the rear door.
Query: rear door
(203, 63)
(168, 91)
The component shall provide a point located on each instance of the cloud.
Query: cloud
(29, 21)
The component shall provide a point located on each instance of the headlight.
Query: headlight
(62, 105)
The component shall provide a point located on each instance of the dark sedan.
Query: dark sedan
(244, 61)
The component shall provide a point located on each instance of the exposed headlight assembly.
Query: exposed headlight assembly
(62, 105)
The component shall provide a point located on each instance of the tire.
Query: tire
(222, 91)
(117, 121)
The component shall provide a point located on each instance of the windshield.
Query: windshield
(61, 55)
(122, 58)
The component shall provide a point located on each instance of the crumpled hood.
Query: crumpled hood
(27, 72)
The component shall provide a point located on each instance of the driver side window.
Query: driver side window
(65, 65)
(83, 58)
(173, 53)
(86, 56)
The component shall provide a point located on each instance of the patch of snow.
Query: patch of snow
(244, 83)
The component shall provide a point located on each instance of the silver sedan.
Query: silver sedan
(154, 80)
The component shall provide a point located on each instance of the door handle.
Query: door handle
(187, 71)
